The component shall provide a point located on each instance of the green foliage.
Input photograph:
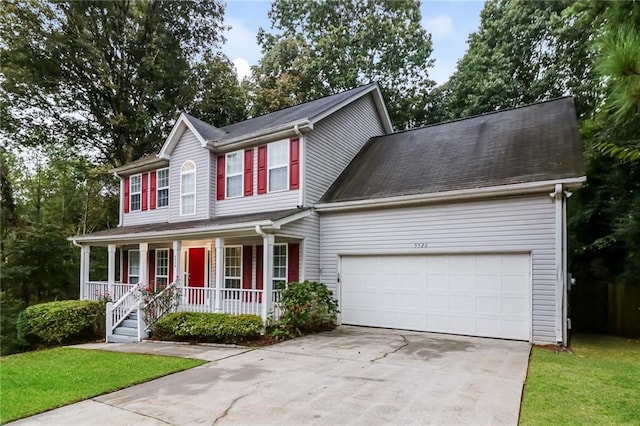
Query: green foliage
(10, 308)
(158, 301)
(63, 322)
(523, 52)
(320, 48)
(306, 307)
(106, 76)
(207, 327)
(38, 381)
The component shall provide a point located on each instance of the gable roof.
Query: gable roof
(534, 143)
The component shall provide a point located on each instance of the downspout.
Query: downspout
(565, 276)
(301, 162)
(560, 251)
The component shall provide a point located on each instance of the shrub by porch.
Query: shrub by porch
(208, 327)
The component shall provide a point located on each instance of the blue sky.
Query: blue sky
(449, 23)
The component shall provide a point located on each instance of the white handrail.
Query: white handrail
(120, 310)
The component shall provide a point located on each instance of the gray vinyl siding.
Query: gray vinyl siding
(212, 184)
(333, 143)
(516, 224)
(255, 203)
(309, 229)
(189, 148)
(147, 216)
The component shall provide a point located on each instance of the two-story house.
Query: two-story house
(448, 228)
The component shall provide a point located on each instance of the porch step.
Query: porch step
(126, 331)
(130, 323)
(120, 338)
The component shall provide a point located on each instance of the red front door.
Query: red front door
(196, 265)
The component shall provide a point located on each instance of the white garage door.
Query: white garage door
(478, 295)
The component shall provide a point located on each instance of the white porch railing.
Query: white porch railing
(120, 310)
(192, 299)
(96, 290)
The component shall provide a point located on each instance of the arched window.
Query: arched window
(188, 188)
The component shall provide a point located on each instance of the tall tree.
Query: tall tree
(107, 77)
(523, 52)
(318, 48)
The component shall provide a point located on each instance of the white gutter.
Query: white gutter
(301, 163)
(462, 194)
(558, 197)
(158, 235)
(262, 135)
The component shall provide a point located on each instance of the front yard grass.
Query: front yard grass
(34, 382)
(598, 384)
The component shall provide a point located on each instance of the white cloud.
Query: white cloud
(242, 68)
(440, 26)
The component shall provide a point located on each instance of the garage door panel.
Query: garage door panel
(475, 294)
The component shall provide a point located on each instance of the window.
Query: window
(279, 266)
(233, 267)
(134, 266)
(233, 174)
(188, 188)
(162, 266)
(278, 157)
(135, 189)
(162, 187)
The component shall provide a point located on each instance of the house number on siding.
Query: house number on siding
(420, 245)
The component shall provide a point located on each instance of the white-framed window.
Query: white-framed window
(279, 266)
(233, 174)
(233, 267)
(135, 193)
(278, 166)
(162, 266)
(134, 266)
(162, 188)
(188, 188)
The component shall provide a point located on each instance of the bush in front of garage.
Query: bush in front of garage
(306, 307)
(207, 327)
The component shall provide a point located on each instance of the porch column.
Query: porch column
(177, 262)
(85, 252)
(267, 273)
(144, 264)
(111, 267)
(219, 273)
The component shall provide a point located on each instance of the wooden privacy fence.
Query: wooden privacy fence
(623, 310)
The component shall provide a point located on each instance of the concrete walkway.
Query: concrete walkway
(352, 375)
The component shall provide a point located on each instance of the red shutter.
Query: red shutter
(220, 178)
(125, 266)
(259, 260)
(262, 169)
(145, 190)
(293, 268)
(294, 164)
(154, 187)
(247, 256)
(248, 172)
(126, 195)
(171, 277)
(152, 267)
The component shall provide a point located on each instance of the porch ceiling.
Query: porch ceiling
(226, 225)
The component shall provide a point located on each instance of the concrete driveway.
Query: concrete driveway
(352, 375)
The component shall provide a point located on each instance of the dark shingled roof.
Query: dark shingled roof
(194, 224)
(533, 143)
(308, 110)
(207, 131)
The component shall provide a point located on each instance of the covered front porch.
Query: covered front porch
(235, 271)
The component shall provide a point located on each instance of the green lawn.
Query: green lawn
(599, 384)
(38, 381)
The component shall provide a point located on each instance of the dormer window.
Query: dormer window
(278, 159)
(188, 188)
(233, 164)
(135, 191)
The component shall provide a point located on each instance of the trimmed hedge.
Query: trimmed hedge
(207, 327)
(62, 322)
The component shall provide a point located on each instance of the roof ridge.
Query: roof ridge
(484, 114)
